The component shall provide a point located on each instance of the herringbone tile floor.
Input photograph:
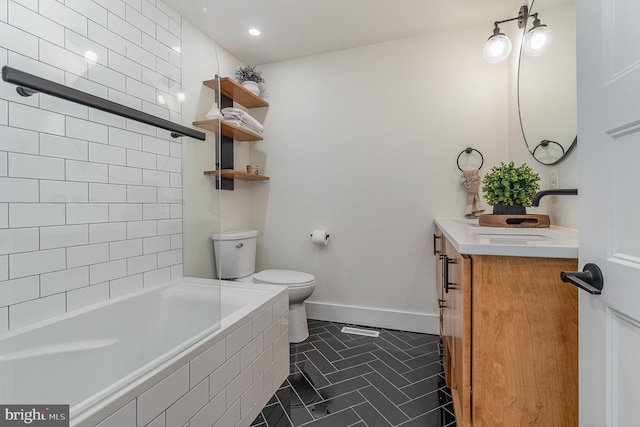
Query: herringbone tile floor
(342, 380)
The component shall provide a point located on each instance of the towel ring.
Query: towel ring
(468, 150)
(545, 143)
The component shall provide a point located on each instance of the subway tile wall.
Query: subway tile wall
(90, 203)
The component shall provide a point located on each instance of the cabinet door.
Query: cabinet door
(525, 342)
(448, 285)
(445, 335)
(438, 251)
(458, 323)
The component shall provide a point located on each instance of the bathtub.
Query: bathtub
(111, 361)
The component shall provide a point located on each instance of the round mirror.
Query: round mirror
(547, 99)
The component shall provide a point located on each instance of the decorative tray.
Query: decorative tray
(515, 221)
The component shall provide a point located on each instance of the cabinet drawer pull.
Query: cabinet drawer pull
(436, 251)
(447, 261)
(441, 303)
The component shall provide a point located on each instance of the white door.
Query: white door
(608, 41)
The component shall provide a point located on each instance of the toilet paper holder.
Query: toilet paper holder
(320, 237)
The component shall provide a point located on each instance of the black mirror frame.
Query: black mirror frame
(532, 152)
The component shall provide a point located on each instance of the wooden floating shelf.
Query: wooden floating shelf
(233, 174)
(237, 92)
(228, 129)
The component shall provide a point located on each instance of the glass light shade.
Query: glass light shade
(537, 40)
(496, 49)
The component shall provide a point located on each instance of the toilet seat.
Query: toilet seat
(289, 278)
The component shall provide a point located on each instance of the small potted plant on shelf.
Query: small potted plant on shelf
(509, 188)
(250, 77)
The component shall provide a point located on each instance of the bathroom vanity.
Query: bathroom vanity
(509, 325)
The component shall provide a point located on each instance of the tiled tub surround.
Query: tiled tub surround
(90, 203)
(157, 357)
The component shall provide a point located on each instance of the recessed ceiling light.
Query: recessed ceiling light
(254, 32)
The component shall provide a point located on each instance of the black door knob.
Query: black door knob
(590, 278)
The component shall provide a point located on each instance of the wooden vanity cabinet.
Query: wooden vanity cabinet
(454, 284)
(510, 331)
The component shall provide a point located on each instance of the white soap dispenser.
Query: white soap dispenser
(214, 112)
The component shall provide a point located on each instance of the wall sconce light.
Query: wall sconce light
(498, 46)
(538, 38)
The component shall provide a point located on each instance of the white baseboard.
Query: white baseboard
(404, 321)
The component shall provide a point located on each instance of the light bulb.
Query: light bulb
(497, 48)
(537, 40)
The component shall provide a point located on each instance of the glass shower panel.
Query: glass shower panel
(201, 200)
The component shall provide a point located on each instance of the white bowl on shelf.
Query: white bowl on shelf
(252, 87)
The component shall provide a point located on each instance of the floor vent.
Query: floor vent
(358, 331)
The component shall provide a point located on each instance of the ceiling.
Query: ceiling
(297, 28)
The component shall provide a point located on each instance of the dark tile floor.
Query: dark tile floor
(341, 380)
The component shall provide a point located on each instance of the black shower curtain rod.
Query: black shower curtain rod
(28, 84)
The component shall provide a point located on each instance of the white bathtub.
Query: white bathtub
(101, 359)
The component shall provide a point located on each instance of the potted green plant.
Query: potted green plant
(509, 188)
(250, 77)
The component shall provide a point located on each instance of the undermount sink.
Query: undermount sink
(520, 233)
(513, 236)
(470, 238)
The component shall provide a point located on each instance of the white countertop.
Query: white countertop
(467, 237)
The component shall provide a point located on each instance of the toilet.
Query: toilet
(236, 253)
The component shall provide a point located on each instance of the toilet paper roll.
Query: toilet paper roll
(320, 237)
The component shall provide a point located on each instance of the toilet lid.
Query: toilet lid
(284, 277)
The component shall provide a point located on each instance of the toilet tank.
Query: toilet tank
(235, 253)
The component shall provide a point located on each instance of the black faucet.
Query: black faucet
(553, 192)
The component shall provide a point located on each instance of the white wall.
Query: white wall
(90, 203)
(363, 142)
